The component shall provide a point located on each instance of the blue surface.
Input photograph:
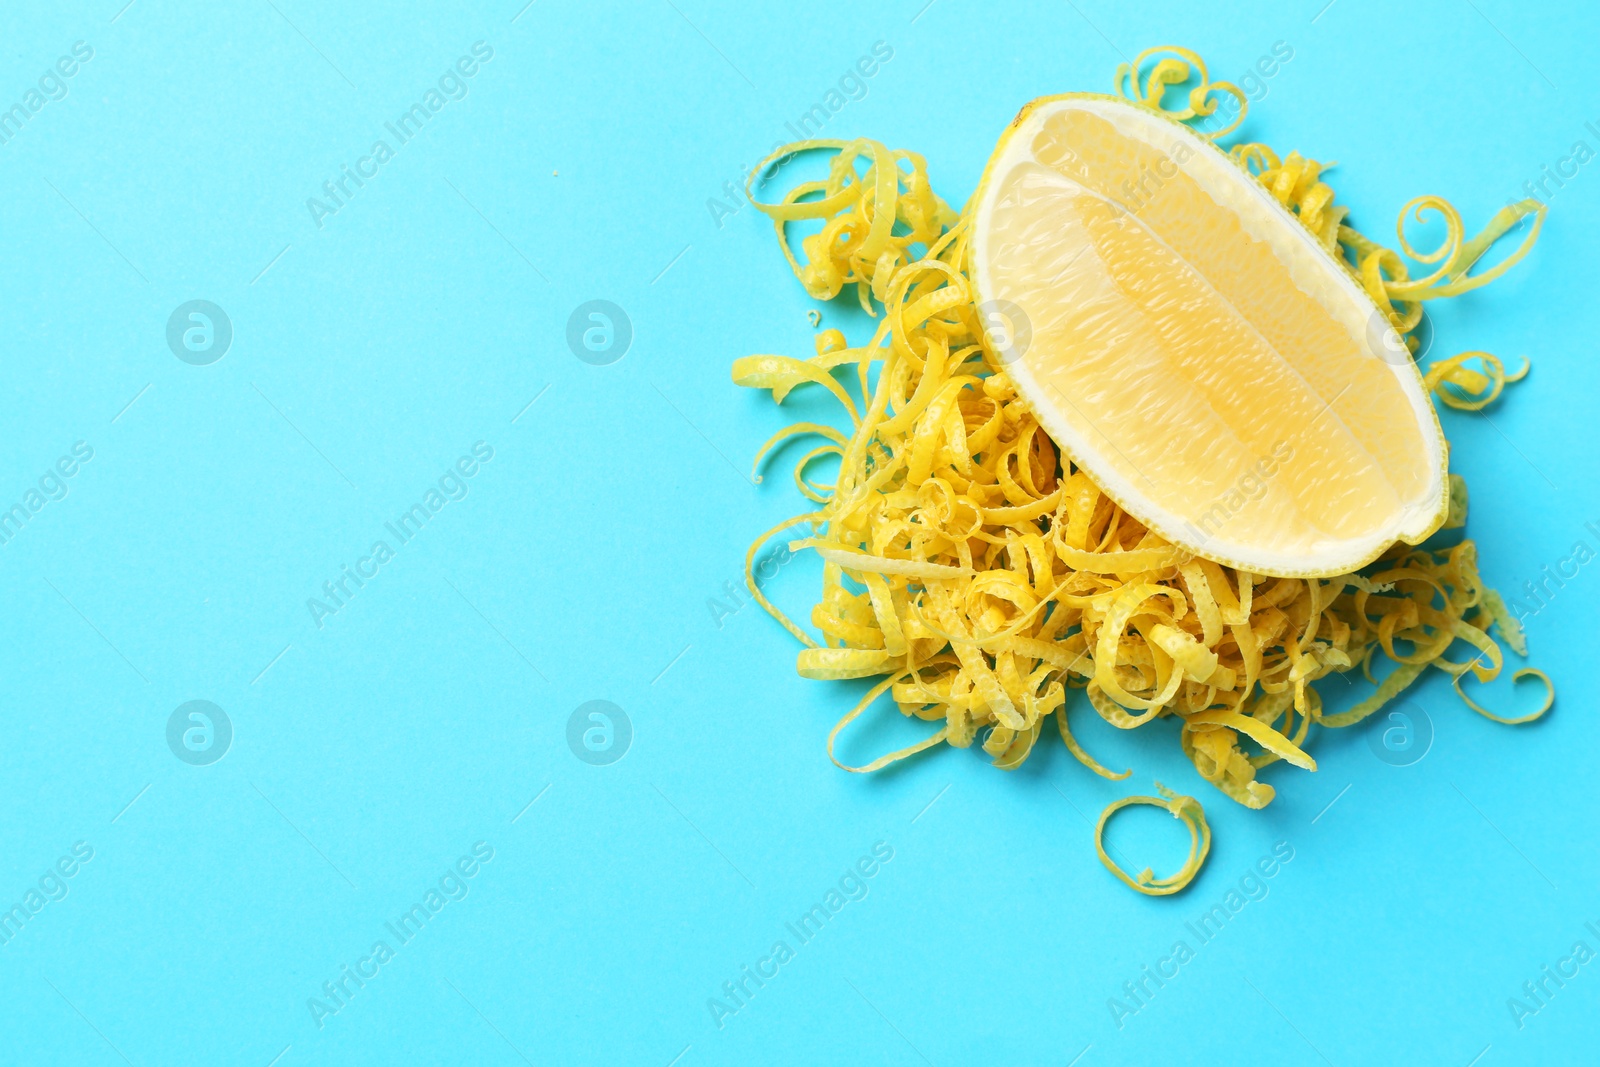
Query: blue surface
(374, 346)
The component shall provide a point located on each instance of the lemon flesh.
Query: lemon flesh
(1188, 343)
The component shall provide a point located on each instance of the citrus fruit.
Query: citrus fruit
(1195, 348)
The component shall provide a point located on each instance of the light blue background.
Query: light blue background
(426, 715)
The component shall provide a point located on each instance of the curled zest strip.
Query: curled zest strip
(1549, 698)
(988, 584)
(1078, 752)
(755, 590)
(1181, 807)
(882, 761)
(1452, 278)
(792, 431)
(1168, 71)
(1479, 389)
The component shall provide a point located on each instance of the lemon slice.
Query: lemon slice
(1194, 348)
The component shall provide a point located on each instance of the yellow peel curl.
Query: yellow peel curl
(1186, 809)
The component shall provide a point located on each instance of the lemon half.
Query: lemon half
(1191, 345)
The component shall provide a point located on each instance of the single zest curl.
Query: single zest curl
(1478, 389)
(1526, 672)
(1168, 71)
(1185, 809)
(984, 579)
(755, 590)
(793, 430)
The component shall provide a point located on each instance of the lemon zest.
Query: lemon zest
(1185, 809)
(1549, 698)
(855, 246)
(1478, 388)
(984, 577)
(1258, 732)
(1168, 71)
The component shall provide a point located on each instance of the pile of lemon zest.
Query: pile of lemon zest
(1186, 809)
(987, 577)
